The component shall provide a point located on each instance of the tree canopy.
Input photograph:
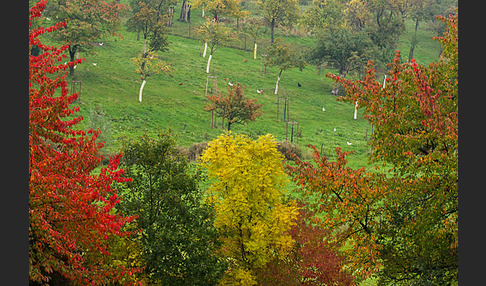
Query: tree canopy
(72, 212)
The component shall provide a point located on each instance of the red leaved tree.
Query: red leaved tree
(403, 226)
(234, 106)
(71, 210)
(314, 260)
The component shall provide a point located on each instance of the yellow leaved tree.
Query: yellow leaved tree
(248, 195)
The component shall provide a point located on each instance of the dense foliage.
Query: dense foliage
(178, 237)
(252, 213)
(71, 210)
(403, 225)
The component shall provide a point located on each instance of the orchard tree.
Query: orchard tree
(234, 106)
(147, 64)
(214, 34)
(178, 237)
(285, 56)
(72, 214)
(278, 12)
(87, 22)
(248, 195)
(342, 48)
(150, 17)
(218, 8)
(322, 14)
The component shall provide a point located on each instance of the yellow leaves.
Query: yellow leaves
(149, 64)
(247, 195)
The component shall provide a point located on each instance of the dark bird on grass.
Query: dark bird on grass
(171, 75)
(181, 83)
(299, 84)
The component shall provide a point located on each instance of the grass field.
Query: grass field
(109, 95)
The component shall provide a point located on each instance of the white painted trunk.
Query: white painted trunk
(356, 111)
(205, 49)
(141, 90)
(384, 81)
(255, 51)
(276, 86)
(209, 62)
(203, 10)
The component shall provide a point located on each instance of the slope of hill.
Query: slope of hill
(109, 96)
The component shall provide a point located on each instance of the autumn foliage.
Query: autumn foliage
(71, 210)
(402, 226)
(314, 260)
(234, 106)
(251, 210)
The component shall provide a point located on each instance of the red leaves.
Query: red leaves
(71, 211)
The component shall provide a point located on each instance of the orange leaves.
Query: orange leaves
(348, 201)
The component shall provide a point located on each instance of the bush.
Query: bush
(192, 152)
(287, 149)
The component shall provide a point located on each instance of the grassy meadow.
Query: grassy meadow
(110, 86)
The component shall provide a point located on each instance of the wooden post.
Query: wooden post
(292, 123)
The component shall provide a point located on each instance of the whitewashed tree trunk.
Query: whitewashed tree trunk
(276, 86)
(384, 81)
(255, 51)
(356, 111)
(141, 90)
(209, 62)
(203, 10)
(205, 49)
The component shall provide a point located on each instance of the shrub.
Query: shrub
(287, 149)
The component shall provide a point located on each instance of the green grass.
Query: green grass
(109, 95)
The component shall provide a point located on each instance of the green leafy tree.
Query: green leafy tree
(178, 238)
(322, 14)
(278, 12)
(285, 57)
(342, 48)
(247, 192)
(87, 22)
(150, 17)
(234, 106)
(148, 64)
(215, 35)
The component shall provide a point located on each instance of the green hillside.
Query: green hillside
(110, 86)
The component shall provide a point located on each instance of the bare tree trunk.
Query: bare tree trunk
(414, 41)
(72, 54)
(185, 15)
(272, 31)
